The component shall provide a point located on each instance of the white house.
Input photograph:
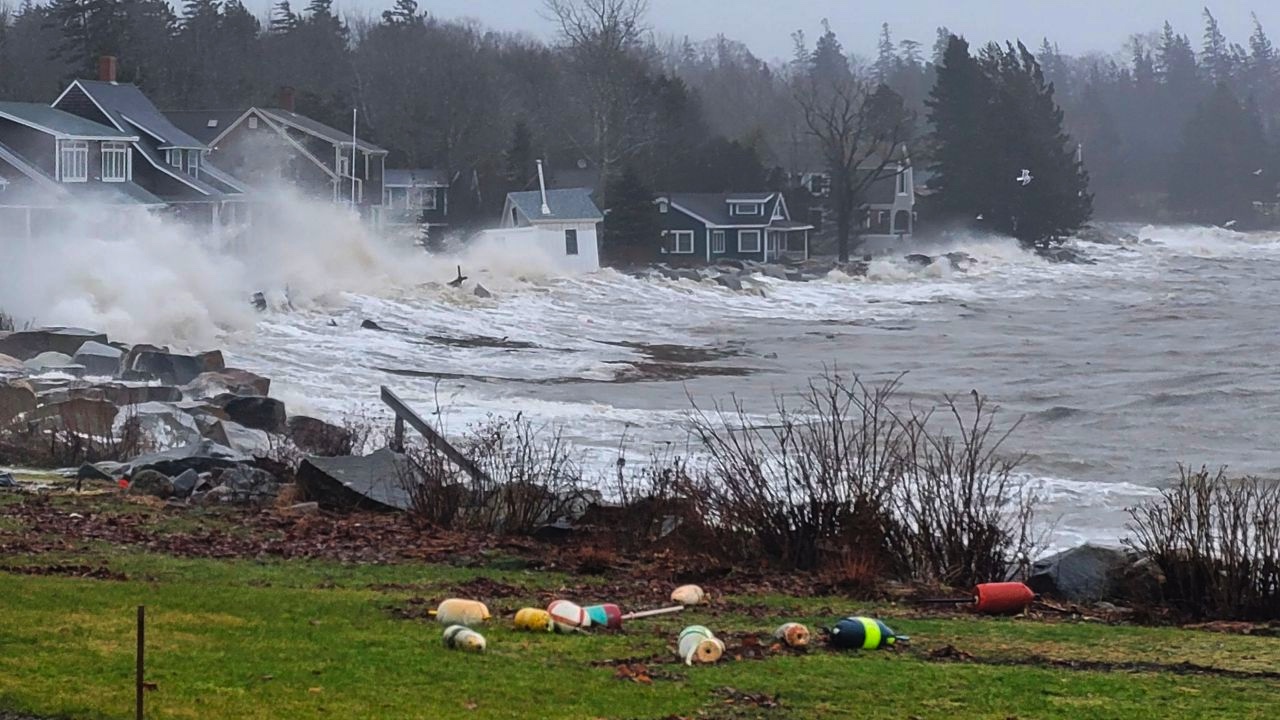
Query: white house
(558, 226)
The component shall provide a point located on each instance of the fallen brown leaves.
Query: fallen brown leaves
(78, 571)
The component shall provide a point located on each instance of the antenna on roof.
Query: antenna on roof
(542, 185)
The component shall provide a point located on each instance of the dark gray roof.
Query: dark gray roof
(57, 122)
(196, 122)
(714, 207)
(123, 100)
(565, 204)
(114, 194)
(306, 124)
(410, 178)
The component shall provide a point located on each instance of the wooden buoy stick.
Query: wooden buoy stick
(651, 613)
(140, 674)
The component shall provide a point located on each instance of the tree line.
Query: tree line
(1164, 130)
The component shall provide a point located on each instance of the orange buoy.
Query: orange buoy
(1002, 598)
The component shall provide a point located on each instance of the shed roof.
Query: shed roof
(565, 204)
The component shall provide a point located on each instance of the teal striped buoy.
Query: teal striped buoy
(860, 633)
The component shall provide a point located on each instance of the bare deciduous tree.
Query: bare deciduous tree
(603, 38)
(858, 125)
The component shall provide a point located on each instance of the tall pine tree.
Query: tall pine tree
(631, 229)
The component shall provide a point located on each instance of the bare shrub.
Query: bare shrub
(528, 478)
(6, 322)
(958, 517)
(1217, 542)
(817, 479)
(653, 504)
(854, 479)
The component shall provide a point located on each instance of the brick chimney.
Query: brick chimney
(107, 66)
(285, 98)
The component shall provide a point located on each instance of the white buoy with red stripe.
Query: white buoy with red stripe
(568, 616)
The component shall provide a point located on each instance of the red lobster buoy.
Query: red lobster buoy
(1002, 598)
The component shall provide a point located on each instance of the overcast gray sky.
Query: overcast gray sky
(1078, 26)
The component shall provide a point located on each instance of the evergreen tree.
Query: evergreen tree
(940, 45)
(283, 19)
(959, 106)
(1027, 133)
(887, 59)
(1217, 55)
(1221, 167)
(403, 14)
(1176, 63)
(521, 163)
(631, 230)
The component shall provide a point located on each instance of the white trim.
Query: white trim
(675, 244)
(143, 128)
(284, 119)
(78, 151)
(119, 153)
(61, 135)
(759, 241)
(720, 242)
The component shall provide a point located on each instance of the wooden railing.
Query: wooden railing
(405, 414)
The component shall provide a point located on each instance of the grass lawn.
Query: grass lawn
(310, 639)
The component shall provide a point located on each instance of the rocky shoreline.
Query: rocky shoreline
(182, 427)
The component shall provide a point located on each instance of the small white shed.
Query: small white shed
(557, 224)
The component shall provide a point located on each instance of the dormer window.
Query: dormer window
(193, 163)
(663, 206)
(746, 209)
(174, 157)
(73, 160)
(115, 162)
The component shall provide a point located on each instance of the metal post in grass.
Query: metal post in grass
(141, 671)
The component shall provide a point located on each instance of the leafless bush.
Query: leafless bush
(527, 478)
(853, 479)
(6, 322)
(958, 517)
(816, 480)
(1217, 542)
(652, 503)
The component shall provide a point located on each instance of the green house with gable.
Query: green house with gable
(705, 228)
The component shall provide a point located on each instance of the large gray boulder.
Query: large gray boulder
(777, 272)
(99, 359)
(228, 381)
(159, 425)
(1087, 573)
(80, 416)
(729, 281)
(259, 413)
(151, 482)
(52, 361)
(170, 368)
(120, 394)
(16, 398)
(248, 484)
(204, 456)
(11, 366)
(317, 437)
(379, 482)
(27, 344)
(254, 443)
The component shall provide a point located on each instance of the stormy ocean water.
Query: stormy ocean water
(1161, 352)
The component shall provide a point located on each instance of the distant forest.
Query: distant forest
(1169, 127)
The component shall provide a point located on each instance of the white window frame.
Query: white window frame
(742, 234)
(253, 122)
(676, 235)
(429, 201)
(193, 163)
(777, 210)
(902, 183)
(754, 209)
(115, 156)
(73, 161)
(663, 206)
(344, 166)
(717, 242)
(174, 157)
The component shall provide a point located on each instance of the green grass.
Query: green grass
(243, 639)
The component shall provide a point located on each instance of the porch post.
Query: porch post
(806, 244)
